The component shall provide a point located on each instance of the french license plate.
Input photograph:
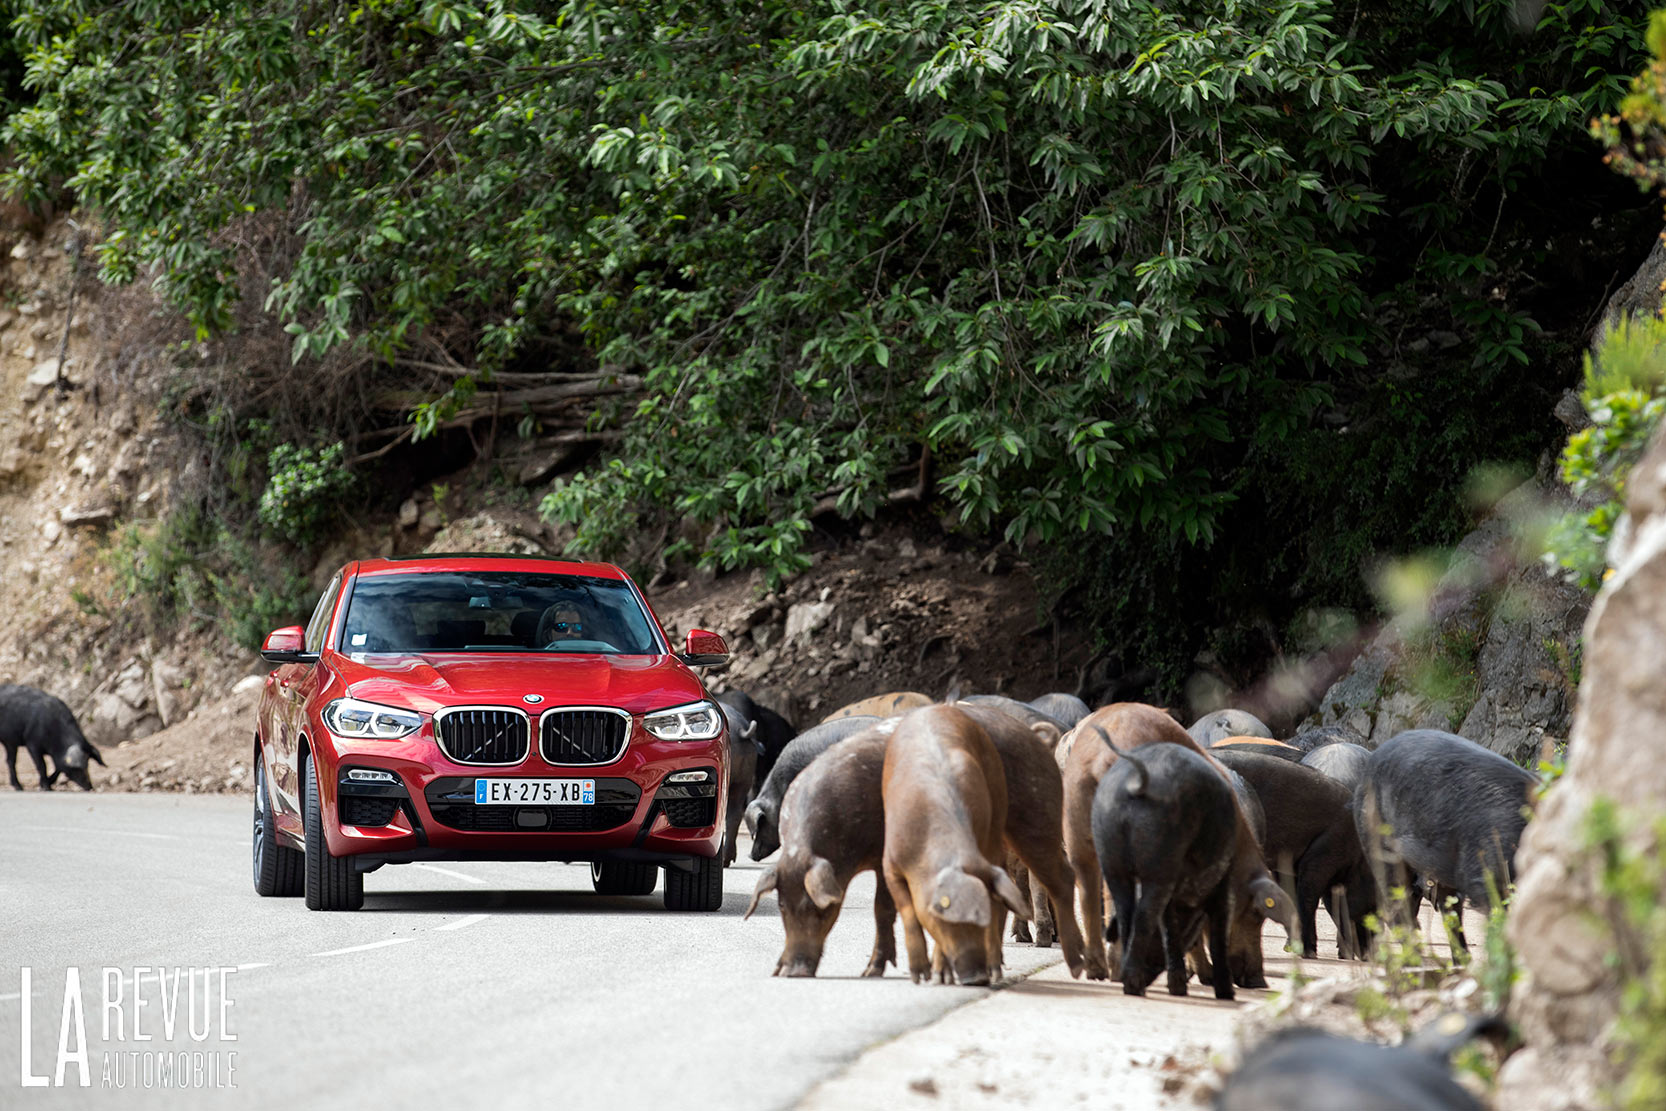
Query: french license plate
(535, 792)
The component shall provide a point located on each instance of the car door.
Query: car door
(294, 684)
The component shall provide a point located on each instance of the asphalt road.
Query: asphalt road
(468, 985)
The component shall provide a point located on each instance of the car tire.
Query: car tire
(698, 889)
(623, 877)
(277, 868)
(332, 883)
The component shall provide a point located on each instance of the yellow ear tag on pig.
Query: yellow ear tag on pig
(944, 902)
(1269, 904)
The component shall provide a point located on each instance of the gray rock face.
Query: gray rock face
(1527, 667)
(1497, 596)
(1562, 927)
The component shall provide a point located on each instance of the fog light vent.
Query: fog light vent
(699, 776)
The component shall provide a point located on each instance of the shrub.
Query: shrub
(305, 487)
(1623, 395)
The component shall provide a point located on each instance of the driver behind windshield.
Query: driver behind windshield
(560, 622)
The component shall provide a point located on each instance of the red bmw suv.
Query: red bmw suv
(481, 707)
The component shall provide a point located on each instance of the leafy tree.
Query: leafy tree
(1098, 273)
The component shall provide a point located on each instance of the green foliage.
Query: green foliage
(1634, 137)
(1442, 665)
(1499, 969)
(187, 569)
(1625, 397)
(1631, 879)
(304, 488)
(1125, 277)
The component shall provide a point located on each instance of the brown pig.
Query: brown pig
(945, 797)
(832, 827)
(1035, 824)
(891, 705)
(837, 831)
(1132, 725)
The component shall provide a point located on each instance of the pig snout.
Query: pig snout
(805, 943)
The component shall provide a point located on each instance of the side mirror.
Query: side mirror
(703, 649)
(286, 646)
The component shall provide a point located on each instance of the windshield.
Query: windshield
(496, 611)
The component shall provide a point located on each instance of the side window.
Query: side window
(321, 616)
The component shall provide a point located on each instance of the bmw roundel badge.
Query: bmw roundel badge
(532, 699)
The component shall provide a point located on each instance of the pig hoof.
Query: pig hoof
(1044, 938)
(1130, 989)
(1223, 993)
(1020, 930)
(1177, 987)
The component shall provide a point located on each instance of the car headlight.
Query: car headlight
(697, 721)
(348, 717)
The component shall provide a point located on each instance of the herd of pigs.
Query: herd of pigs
(971, 808)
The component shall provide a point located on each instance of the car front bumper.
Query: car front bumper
(637, 816)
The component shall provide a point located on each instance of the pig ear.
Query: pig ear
(1002, 885)
(93, 752)
(750, 817)
(1047, 733)
(961, 898)
(822, 884)
(766, 884)
(1270, 901)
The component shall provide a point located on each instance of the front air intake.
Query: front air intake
(581, 736)
(490, 736)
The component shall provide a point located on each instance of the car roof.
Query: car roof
(485, 561)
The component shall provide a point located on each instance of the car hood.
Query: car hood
(431, 681)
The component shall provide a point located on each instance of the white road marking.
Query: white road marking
(105, 832)
(9, 996)
(463, 922)
(362, 948)
(449, 872)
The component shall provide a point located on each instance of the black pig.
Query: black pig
(1311, 845)
(1164, 819)
(743, 771)
(1301, 1069)
(34, 720)
(1446, 809)
(774, 731)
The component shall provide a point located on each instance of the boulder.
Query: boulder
(1563, 927)
(804, 618)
